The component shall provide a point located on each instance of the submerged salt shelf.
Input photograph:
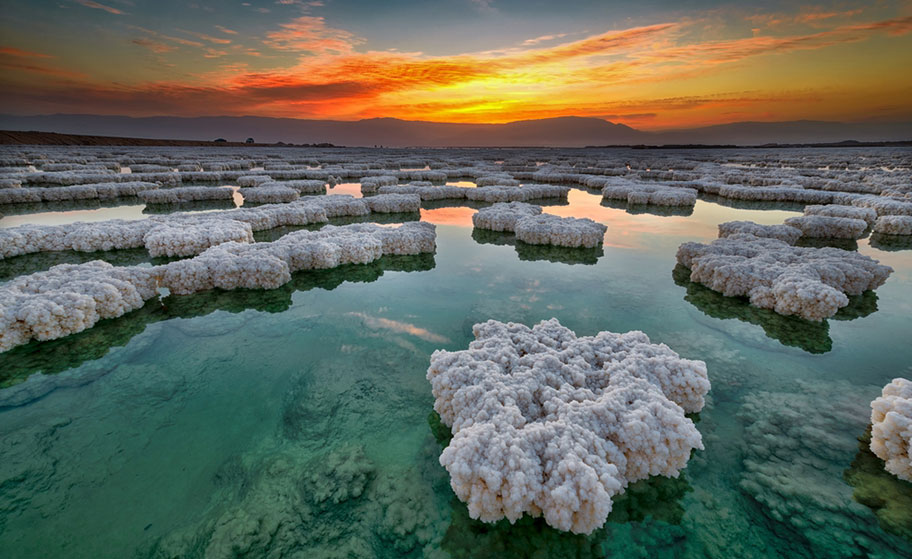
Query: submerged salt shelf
(290, 420)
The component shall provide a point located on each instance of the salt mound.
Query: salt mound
(503, 216)
(394, 203)
(68, 299)
(302, 186)
(546, 423)
(808, 282)
(828, 227)
(269, 194)
(547, 229)
(185, 194)
(894, 225)
(101, 191)
(186, 237)
(836, 210)
(884, 205)
(891, 431)
(253, 180)
(516, 193)
(369, 185)
(638, 193)
(784, 233)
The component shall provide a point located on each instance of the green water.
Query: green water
(298, 422)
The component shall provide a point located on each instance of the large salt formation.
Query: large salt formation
(185, 194)
(533, 227)
(101, 191)
(516, 193)
(547, 423)
(639, 193)
(812, 283)
(891, 428)
(69, 298)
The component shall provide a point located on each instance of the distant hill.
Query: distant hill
(391, 132)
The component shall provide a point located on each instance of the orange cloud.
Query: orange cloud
(97, 6)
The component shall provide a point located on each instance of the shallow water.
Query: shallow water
(298, 423)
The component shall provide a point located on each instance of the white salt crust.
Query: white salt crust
(70, 298)
(185, 194)
(893, 225)
(253, 180)
(516, 193)
(269, 194)
(828, 227)
(891, 428)
(784, 233)
(394, 203)
(547, 229)
(869, 215)
(370, 185)
(812, 283)
(639, 193)
(101, 191)
(503, 216)
(548, 424)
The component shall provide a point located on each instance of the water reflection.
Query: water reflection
(39, 261)
(792, 331)
(192, 206)
(549, 253)
(66, 205)
(54, 356)
(891, 242)
(888, 497)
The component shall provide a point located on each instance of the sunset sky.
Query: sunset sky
(648, 64)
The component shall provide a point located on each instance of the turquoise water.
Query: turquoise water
(298, 422)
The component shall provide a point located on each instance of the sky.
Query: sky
(649, 64)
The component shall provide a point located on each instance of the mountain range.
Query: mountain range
(391, 132)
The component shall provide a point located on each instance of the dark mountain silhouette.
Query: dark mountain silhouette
(391, 132)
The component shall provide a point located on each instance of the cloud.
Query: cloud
(12, 51)
(311, 34)
(97, 6)
(154, 46)
(226, 30)
(542, 39)
(210, 38)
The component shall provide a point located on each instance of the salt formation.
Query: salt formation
(639, 193)
(884, 205)
(186, 238)
(503, 216)
(836, 210)
(394, 203)
(828, 227)
(891, 432)
(101, 191)
(809, 282)
(516, 193)
(185, 194)
(269, 194)
(369, 185)
(784, 233)
(547, 229)
(69, 298)
(893, 225)
(253, 180)
(547, 423)
(302, 186)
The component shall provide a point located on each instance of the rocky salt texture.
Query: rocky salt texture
(894, 225)
(659, 195)
(503, 216)
(516, 193)
(185, 194)
(784, 233)
(812, 283)
(891, 432)
(828, 227)
(836, 210)
(547, 229)
(394, 203)
(101, 191)
(269, 193)
(548, 424)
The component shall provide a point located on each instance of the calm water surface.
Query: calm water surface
(298, 422)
